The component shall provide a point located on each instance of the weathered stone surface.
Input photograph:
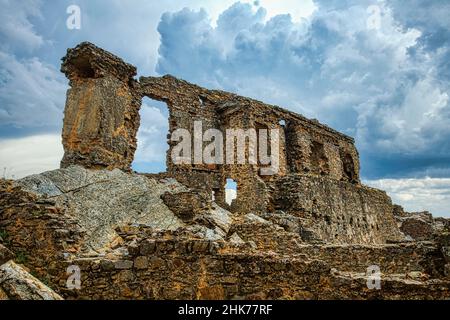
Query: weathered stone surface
(310, 231)
(221, 218)
(420, 226)
(101, 117)
(141, 262)
(102, 200)
(443, 242)
(417, 228)
(336, 211)
(185, 205)
(123, 264)
(203, 232)
(253, 218)
(5, 254)
(235, 240)
(18, 284)
(3, 295)
(351, 285)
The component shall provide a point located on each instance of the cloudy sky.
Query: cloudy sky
(376, 70)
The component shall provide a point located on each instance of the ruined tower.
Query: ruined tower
(101, 117)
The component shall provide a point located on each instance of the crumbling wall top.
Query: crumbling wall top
(171, 89)
(89, 61)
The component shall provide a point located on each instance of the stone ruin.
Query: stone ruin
(310, 231)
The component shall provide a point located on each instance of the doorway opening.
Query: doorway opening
(152, 146)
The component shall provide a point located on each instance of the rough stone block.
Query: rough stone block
(18, 284)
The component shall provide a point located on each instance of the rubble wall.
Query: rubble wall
(165, 268)
(337, 212)
(269, 263)
(40, 234)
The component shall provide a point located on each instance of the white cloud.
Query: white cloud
(16, 30)
(415, 195)
(134, 23)
(30, 155)
(418, 121)
(230, 195)
(32, 93)
(152, 134)
(298, 9)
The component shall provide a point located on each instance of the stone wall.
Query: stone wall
(337, 211)
(40, 234)
(306, 146)
(168, 266)
(405, 258)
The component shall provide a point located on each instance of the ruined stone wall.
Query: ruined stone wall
(311, 152)
(101, 117)
(254, 259)
(235, 276)
(101, 120)
(405, 258)
(336, 211)
(40, 234)
(184, 109)
(305, 146)
(168, 266)
(194, 270)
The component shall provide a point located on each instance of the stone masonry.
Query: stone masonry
(309, 231)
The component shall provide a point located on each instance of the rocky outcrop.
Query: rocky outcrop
(51, 217)
(100, 201)
(17, 284)
(185, 205)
